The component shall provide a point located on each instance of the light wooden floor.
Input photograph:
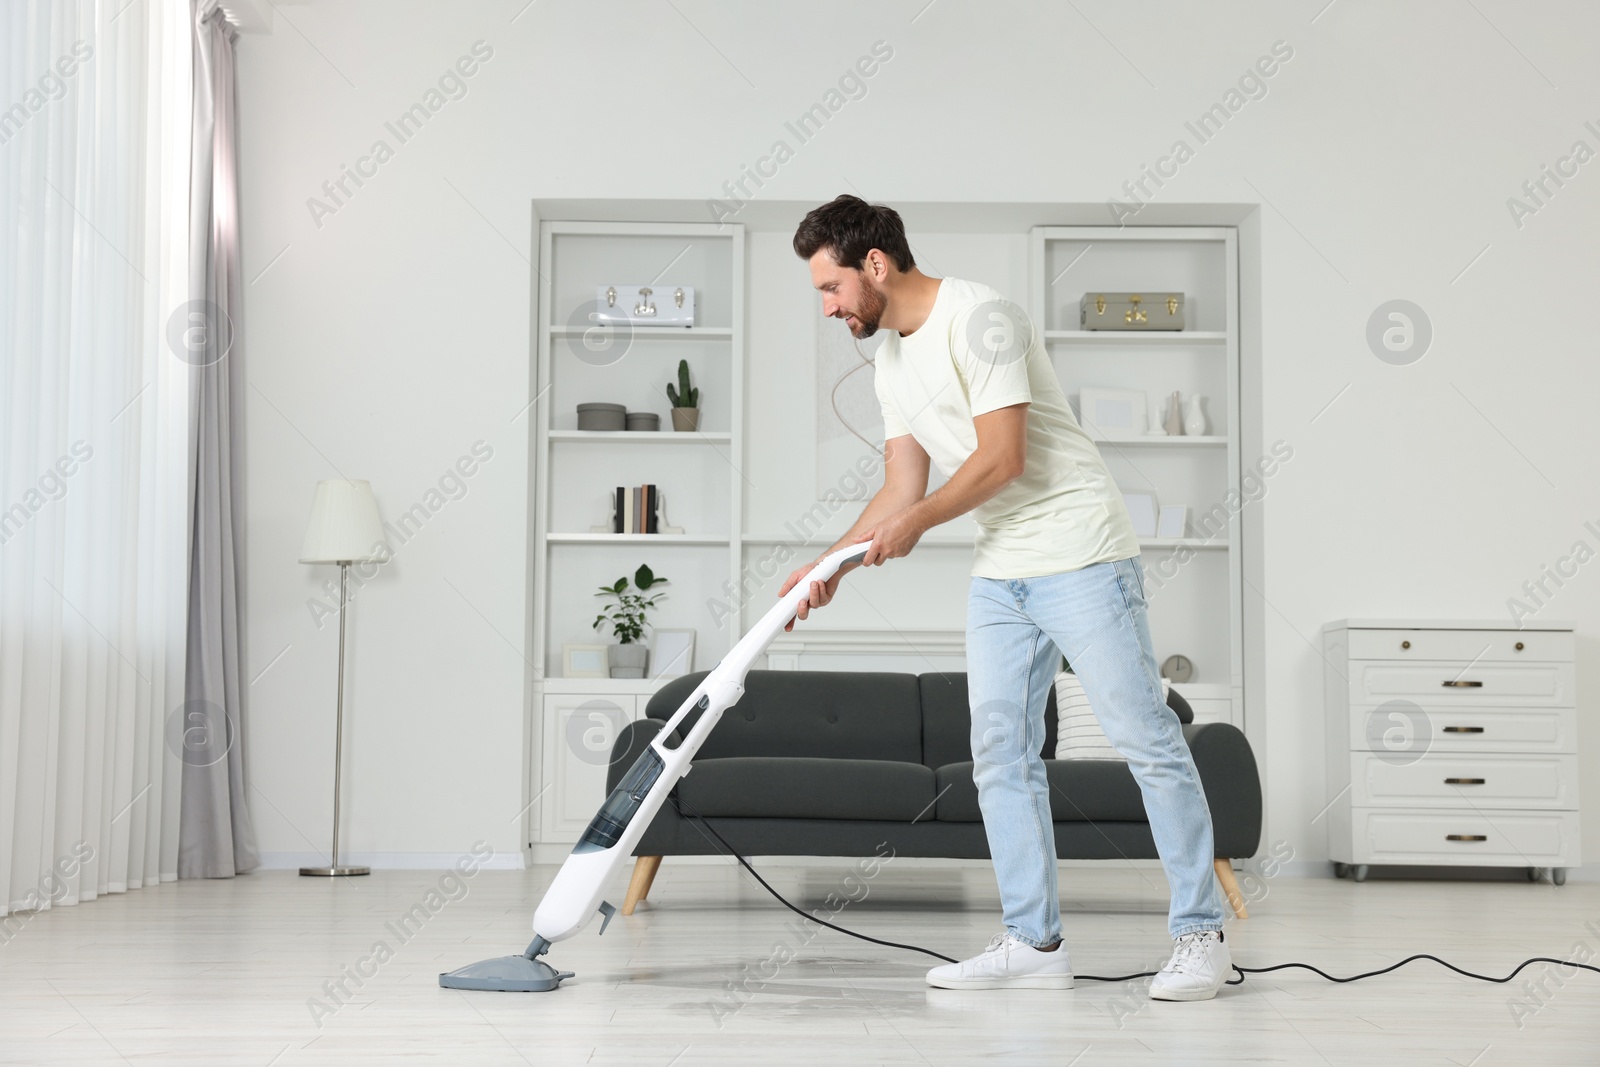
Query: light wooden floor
(222, 972)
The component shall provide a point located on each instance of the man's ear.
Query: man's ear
(877, 264)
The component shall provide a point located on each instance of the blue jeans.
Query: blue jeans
(1096, 617)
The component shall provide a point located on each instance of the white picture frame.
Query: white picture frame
(585, 661)
(1173, 521)
(1114, 414)
(671, 653)
(1142, 510)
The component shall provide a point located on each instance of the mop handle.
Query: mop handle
(824, 571)
(733, 666)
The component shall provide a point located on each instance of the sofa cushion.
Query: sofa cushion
(853, 715)
(799, 787)
(1084, 790)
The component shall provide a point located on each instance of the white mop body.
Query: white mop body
(576, 894)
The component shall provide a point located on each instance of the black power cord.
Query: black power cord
(697, 819)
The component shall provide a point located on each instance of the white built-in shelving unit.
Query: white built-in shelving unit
(1194, 584)
(697, 474)
(706, 477)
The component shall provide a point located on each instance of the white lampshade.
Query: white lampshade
(344, 524)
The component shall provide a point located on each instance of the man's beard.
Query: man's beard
(871, 311)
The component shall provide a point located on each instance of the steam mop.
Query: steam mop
(575, 896)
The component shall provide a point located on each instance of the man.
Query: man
(964, 381)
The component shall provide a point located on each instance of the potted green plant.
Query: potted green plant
(627, 618)
(685, 401)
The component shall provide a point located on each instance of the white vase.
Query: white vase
(1194, 419)
(1173, 423)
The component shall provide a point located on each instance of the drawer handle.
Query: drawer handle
(1463, 729)
(1466, 837)
(1463, 781)
(1463, 685)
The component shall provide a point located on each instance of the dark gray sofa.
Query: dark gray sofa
(838, 763)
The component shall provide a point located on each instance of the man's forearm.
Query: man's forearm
(975, 481)
(882, 504)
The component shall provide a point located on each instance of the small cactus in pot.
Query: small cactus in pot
(685, 401)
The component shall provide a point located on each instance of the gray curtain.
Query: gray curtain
(216, 838)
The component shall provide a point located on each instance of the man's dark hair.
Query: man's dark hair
(849, 227)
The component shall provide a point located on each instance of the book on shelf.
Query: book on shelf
(635, 510)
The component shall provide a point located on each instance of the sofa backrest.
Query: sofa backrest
(911, 718)
(825, 714)
(947, 719)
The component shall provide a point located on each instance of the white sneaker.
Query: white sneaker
(1199, 966)
(1007, 964)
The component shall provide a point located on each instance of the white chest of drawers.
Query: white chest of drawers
(1451, 743)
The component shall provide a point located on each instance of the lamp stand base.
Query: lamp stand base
(335, 872)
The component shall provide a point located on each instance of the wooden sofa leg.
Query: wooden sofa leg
(644, 872)
(1230, 887)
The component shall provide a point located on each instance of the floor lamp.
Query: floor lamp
(344, 529)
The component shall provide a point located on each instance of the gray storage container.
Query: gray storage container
(644, 420)
(602, 417)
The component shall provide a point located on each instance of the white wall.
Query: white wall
(391, 337)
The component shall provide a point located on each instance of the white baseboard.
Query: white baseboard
(391, 861)
(556, 854)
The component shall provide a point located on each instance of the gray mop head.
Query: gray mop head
(509, 974)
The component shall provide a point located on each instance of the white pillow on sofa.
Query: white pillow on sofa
(1078, 733)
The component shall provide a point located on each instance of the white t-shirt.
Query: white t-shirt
(977, 352)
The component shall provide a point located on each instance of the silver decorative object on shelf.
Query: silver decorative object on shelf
(645, 305)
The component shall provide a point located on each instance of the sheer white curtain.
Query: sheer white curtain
(94, 165)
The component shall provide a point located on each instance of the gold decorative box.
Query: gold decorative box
(1131, 311)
